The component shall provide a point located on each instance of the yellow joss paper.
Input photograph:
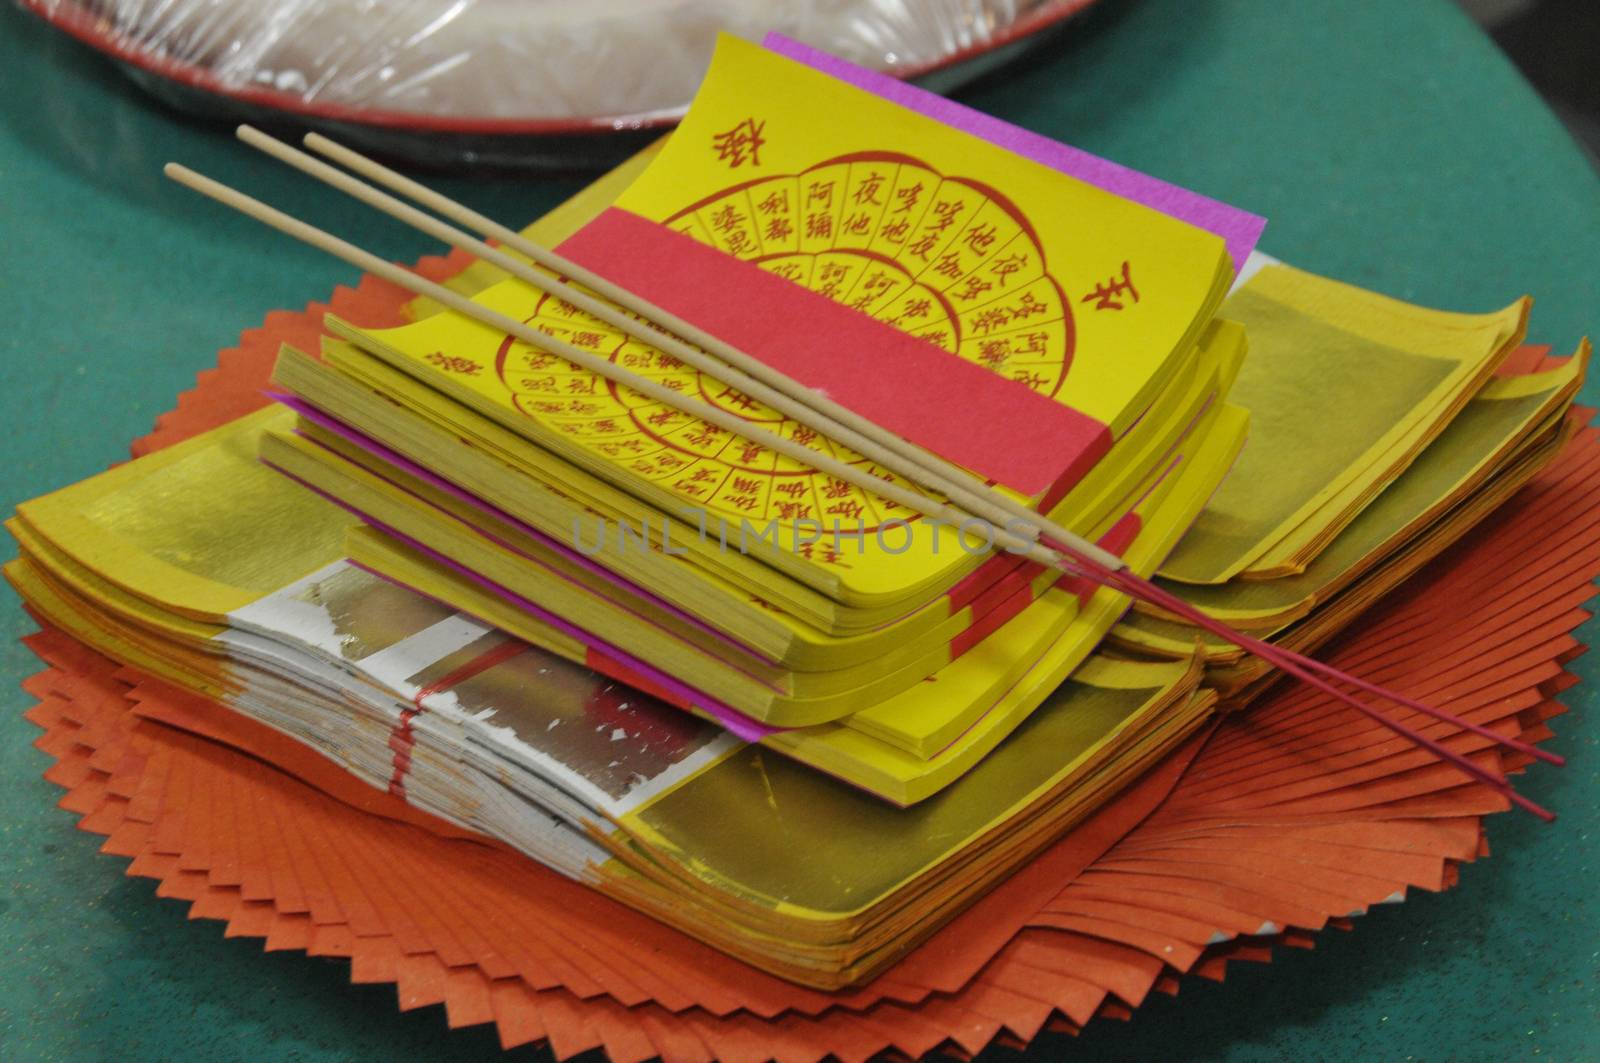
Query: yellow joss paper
(1509, 430)
(905, 747)
(808, 877)
(1345, 387)
(887, 659)
(799, 874)
(846, 178)
(200, 529)
(1089, 299)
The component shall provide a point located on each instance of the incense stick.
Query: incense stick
(1069, 559)
(649, 324)
(653, 325)
(730, 422)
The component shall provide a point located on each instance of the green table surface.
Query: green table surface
(1390, 144)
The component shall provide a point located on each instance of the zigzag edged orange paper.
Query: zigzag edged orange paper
(1275, 824)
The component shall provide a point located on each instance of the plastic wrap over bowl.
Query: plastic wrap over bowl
(509, 81)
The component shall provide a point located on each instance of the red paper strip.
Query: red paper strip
(403, 740)
(996, 427)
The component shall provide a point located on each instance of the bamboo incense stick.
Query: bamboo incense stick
(650, 324)
(653, 325)
(730, 422)
(1068, 559)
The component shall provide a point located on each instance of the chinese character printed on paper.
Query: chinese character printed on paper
(742, 142)
(1110, 295)
(454, 364)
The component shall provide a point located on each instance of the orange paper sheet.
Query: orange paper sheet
(1288, 821)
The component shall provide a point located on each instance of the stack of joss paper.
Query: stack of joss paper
(764, 706)
(794, 607)
(1294, 559)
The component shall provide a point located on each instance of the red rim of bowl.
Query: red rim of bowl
(71, 19)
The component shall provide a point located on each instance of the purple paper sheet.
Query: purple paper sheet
(1239, 228)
